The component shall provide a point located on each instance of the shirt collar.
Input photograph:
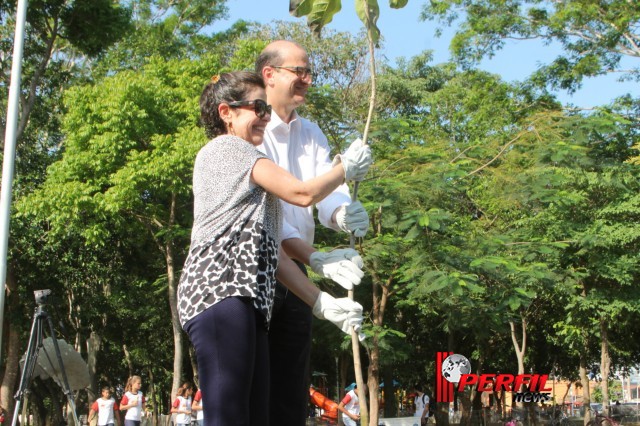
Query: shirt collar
(276, 122)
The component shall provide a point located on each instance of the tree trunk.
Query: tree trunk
(153, 397)
(173, 304)
(94, 342)
(605, 365)
(381, 295)
(519, 348)
(373, 382)
(13, 348)
(128, 360)
(586, 393)
(465, 407)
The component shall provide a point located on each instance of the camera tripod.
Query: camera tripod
(31, 357)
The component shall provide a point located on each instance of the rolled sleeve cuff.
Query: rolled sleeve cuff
(328, 206)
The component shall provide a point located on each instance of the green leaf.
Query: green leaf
(318, 12)
(371, 18)
(398, 4)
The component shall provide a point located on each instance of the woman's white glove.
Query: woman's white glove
(353, 218)
(343, 266)
(355, 161)
(344, 312)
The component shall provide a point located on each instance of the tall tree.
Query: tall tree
(127, 166)
(60, 35)
(595, 35)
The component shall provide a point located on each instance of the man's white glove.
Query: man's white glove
(343, 312)
(343, 266)
(355, 161)
(353, 218)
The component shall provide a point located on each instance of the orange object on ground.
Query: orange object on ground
(330, 407)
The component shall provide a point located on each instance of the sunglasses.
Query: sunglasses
(260, 107)
(300, 72)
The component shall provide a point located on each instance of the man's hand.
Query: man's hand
(355, 161)
(343, 266)
(344, 312)
(353, 218)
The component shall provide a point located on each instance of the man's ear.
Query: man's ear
(267, 74)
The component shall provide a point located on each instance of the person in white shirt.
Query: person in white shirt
(133, 401)
(182, 405)
(198, 407)
(299, 146)
(350, 406)
(421, 401)
(106, 408)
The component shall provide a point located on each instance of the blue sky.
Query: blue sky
(405, 36)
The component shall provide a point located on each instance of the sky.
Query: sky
(406, 36)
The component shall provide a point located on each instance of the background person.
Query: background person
(225, 296)
(197, 406)
(133, 401)
(299, 146)
(421, 402)
(350, 406)
(106, 408)
(182, 405)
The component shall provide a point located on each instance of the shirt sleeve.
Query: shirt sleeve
(125, 400)
(198, 396)
(94, 406)
(288, 231)
(340, 196)
(346, 399)
(176, 403)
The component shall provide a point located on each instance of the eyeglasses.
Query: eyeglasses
(260, 107)
(300, 72)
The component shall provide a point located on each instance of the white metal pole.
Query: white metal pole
(10, 150)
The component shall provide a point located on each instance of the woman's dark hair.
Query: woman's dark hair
(182, 390)
(227, 87)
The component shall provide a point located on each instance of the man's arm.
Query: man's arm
(337, 211)
(343, 266)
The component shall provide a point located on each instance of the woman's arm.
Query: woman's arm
(295, 280)
(276, 180)
(298, 249)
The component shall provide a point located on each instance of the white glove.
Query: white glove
(355, 161)
(353, 218)
(344, 312)
(344, 266)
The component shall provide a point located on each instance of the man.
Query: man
(421, 402)
(299, 146)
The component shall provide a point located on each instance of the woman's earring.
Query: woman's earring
(230, 128)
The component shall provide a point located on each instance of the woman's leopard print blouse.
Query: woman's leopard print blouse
(235, 235)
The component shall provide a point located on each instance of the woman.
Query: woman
(182, 405)
(228, 280)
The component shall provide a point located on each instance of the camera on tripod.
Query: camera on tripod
(41, 296)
